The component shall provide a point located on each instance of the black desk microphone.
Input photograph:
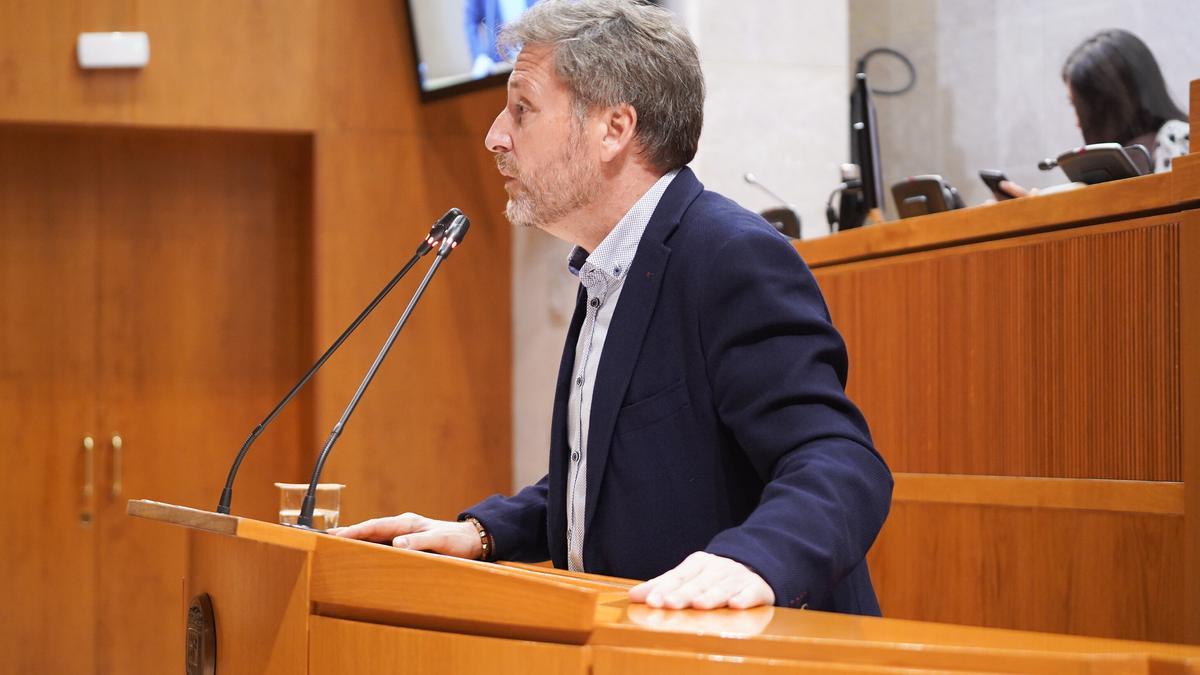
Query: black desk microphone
(454, 236)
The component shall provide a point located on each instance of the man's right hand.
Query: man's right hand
(416, 532)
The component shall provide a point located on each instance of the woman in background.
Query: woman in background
(1119, 96)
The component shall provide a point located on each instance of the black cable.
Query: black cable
(912, 70)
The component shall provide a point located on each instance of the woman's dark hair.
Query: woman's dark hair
(1117, 88)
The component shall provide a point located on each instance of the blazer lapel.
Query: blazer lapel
(639, 294)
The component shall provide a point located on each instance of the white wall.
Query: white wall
(777, 80)
(777, 103)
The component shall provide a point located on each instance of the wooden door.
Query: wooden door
(48, 379)
(203, 326)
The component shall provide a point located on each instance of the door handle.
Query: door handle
(89, 480)
(118, 482)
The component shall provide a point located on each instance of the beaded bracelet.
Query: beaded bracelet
(485, 539)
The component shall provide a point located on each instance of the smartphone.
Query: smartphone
(992, 178)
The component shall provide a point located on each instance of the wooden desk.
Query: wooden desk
(1031, 372)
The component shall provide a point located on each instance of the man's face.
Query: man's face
(541, 146)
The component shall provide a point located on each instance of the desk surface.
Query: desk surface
(1134, 197)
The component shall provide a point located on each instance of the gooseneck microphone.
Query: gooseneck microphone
(753, 180)
(431, 241)
(454, 236)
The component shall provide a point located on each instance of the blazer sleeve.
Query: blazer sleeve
(517, 523)
(777, 368)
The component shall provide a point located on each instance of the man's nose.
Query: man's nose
(498, 138)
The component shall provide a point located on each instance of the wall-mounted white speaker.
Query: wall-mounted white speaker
(113, 50)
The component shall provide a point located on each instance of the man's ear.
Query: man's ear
(620, 124)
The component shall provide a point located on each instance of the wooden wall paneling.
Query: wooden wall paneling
(1050, 355)
(204, 307)
(1189, 366)
(260, 600)
(433, 433)
(224, 64)
(337, 646)
(228, 64)
(1095, 573)
(1121, 496)
(39, 78)
(368, 78)
(48, 389)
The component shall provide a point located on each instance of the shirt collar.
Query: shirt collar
(611, 259)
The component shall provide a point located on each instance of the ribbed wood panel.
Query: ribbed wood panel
(1052, 355)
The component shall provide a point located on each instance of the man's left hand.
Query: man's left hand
(705, 581)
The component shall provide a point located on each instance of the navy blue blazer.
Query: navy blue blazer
(719, 421)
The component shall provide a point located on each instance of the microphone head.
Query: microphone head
(1047, 164)
(438, 231)
(750, 178)
(455, 234)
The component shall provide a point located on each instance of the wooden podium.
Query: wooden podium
(290, 601)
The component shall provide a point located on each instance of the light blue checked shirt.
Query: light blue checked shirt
(601, 273)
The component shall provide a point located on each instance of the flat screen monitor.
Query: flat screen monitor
(454, 43)
(864, 152)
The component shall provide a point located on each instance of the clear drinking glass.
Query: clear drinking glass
(325, 515)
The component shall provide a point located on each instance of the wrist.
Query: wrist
(484, 547)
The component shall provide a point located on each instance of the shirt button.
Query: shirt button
(594, 302)
(575, 456)
(579, 381)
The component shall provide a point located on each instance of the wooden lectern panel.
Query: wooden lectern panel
(426, 590)
(260, 598)
(780, 635)
(338, 647)
(619, 661)
(400, 611)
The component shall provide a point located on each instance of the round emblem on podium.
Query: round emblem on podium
(201, 642)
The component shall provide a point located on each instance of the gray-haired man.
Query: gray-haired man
(702, 438)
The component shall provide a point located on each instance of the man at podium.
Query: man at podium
(701, 438)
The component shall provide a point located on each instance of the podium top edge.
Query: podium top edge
(183, 515)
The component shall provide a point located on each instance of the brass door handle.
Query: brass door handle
(118, 470)
(89, 480)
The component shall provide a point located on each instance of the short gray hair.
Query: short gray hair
(613, 52)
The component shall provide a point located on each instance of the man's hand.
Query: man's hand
(705, 581)
(409, 530)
